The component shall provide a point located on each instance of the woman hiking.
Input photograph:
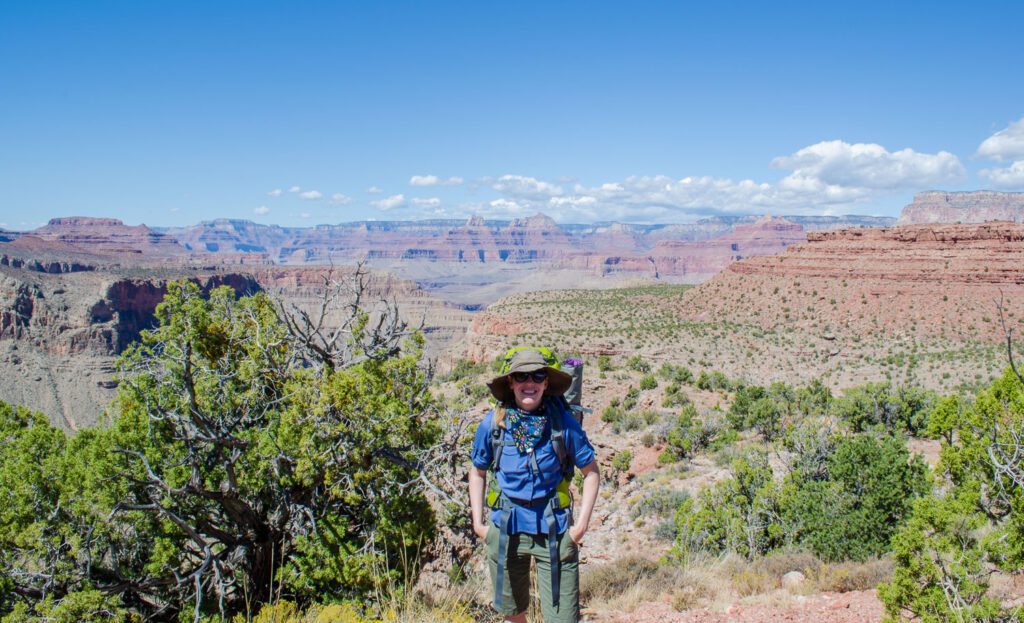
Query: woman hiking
(532, 443)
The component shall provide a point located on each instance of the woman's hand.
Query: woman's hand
(576, 532)
(481, 528)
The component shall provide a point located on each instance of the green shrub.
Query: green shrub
(659, 502)
(881, 405)
(674, 396)
(612, 414)
(638, 363)
(232, 444)
(622, 460)
(735, 515)
(852, 514)
(675, 374)
(648, 382)
(713, 381)
(629, 421)
(631, 398)
(951, 544)
(688, 435)
(465, 369)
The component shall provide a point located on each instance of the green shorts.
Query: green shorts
(516, 583)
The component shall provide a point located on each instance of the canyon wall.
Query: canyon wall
(963, 207)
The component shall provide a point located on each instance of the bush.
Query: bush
(465, 369)
(688, 435)
(849, 513)
(604, 363)
(679, 375)
(632, 397)
(734, 515)
(648, 382)
(638, 363)
(883, 406)
(870, 487)
(628, 422)
(742, 402)
(232, 445)
(659, 502)
(612, 414)
(714, 381)
(623, 459)
(674, 396)
(952, 544)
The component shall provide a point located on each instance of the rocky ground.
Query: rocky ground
(850, 607)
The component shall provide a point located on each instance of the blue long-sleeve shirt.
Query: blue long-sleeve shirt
(518, 479)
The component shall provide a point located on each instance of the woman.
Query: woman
(528, 430)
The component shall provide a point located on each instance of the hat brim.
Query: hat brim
(558, 383)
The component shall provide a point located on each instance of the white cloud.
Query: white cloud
(506, 206)
(305, 215)
(574, 201)
(424, 180)
(432, 202)
(1006, 144)
(274, 193)
(828, 177)
(845, 170)
(295, 189)
(389, 203)
(311, 195)
(433, 180)
(340, 199)
(261, 211)
(524, 187)
(374, 190)
(1011, 177)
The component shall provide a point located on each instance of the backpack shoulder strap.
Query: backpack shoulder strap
(497, 440)
(559, 441)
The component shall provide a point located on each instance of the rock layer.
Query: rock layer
(963, 207)
(613, 247)
(108, 235)
(930, 279)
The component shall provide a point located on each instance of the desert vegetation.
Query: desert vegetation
(252, 457)
(259, 467)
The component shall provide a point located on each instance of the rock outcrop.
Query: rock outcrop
(108, 235)
(977, 206)
(936, 280)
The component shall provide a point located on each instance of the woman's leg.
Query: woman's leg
(568, 610)
(515, 586)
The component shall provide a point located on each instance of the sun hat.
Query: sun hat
(528, 360)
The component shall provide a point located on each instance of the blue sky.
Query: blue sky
(301, 113)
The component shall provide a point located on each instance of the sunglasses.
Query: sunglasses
(538, 376)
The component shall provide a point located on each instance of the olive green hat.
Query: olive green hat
(529, 360)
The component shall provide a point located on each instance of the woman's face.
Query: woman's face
(529, 392)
